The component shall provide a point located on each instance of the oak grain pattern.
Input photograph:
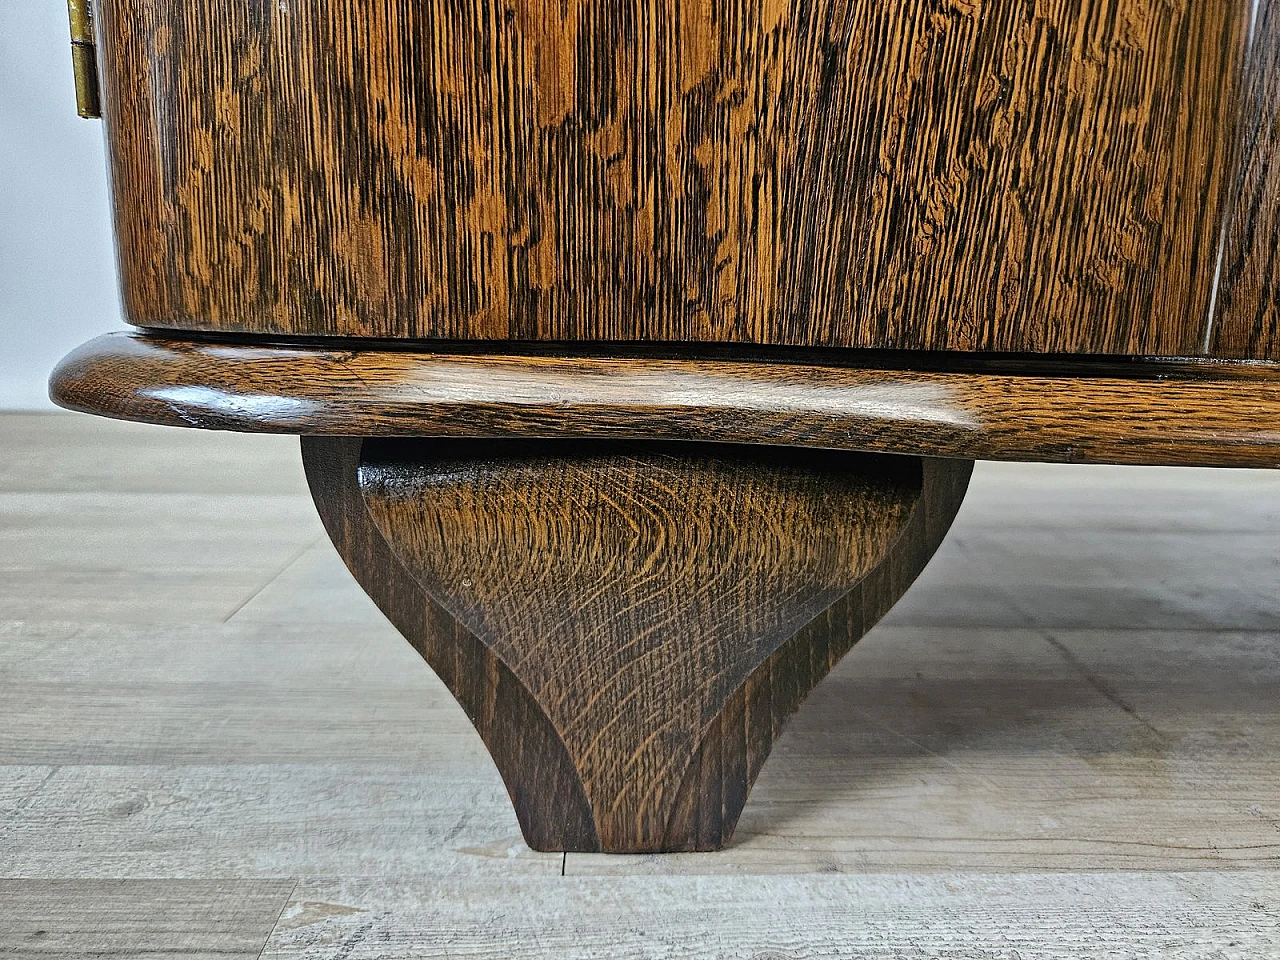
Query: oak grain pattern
(640, 620)
(929, 174)
(1132, 412)
(518, 735)
(633, 591)
(1246, 322)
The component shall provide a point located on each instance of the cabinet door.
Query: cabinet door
(996, 175)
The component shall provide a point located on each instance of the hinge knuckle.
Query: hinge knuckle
(84, 58)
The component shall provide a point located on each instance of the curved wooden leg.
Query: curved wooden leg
(630, 625)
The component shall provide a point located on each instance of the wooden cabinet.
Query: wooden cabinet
(628, 245)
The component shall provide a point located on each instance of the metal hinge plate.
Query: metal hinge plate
(84, 58)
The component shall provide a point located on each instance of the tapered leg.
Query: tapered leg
(629, 625)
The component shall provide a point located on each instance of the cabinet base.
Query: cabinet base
(629, 625)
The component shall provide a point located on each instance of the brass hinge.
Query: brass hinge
(84, 58)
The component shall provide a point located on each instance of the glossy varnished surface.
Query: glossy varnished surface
(1247, 307)
(929, 174)
(630, 626)
(1210, 414)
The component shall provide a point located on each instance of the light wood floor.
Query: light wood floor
(1065, 742)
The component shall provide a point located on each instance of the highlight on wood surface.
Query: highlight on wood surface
(1046, 409)
(1055, 177)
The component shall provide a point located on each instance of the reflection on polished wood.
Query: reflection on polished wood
(1247, 321)
(1208, 414)
(1005, 175)
(629, 626)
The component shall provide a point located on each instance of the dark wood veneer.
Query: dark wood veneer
(923, 174)
(1247, 308)
(630, 626)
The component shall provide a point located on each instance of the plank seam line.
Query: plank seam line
(293, 558)
(279, 916)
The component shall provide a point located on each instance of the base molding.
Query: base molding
(1054, 409)
(629, 625)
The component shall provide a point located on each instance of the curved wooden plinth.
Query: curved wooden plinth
(630, 625)
(1071, 411)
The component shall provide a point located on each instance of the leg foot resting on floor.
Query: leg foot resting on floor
(629, 625)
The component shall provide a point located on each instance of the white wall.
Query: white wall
(53, 205)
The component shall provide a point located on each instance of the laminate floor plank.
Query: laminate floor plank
(74, 453)
(233, 723)
(1014, 496)
(138, 919)
(315, 588)
(1079, 578)
(268, 821)
(127, 596)
(100, 531)
(1122, 916)
(100, 520)
(273, 655)
(19, 783)
(140, 558)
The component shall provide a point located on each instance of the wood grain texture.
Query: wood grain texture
(929, 174)
(517, 735)
(1247, 311)
(633, 591)
(1132, 412)
(629, 628)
